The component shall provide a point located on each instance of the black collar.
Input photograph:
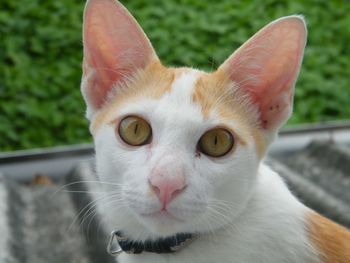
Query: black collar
(162, 245)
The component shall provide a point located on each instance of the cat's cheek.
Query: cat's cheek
(213, 170)
(231, 179)
(109, 156)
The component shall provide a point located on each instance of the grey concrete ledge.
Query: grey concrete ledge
(38, 225)
(312, 195)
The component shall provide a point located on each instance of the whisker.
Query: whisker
(87, 208)
(84, 182)
(83, 192)
(92, 210)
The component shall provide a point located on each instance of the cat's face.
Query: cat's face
(182, 146)
(178, 117)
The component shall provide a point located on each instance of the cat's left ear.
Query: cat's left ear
(266, 67)
(115, 48)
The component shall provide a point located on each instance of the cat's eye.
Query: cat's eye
(135, 131)
(216, 142)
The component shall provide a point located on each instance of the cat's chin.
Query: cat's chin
(163, 223)
(163, 216)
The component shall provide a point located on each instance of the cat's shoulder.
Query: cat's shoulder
(331, 240)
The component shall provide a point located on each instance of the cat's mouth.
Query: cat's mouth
(162, 215)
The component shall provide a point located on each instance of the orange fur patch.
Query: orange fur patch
(260, 143)
(215, 91)
(331, 239)
(153, 82)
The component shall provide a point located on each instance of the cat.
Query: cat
(183, 149)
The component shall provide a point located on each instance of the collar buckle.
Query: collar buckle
(113, 248)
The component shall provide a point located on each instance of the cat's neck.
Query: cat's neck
(270, 229)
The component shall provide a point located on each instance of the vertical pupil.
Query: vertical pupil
(216, 140)
(136, 128)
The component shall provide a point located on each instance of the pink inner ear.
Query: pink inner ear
(266, 67)
(114, 48)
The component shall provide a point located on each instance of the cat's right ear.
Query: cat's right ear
(115, 47)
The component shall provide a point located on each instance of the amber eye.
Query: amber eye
(135, 131)
(216, 142)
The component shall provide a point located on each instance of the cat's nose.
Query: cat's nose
(167, 188)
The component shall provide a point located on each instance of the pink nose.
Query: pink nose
(167, 188)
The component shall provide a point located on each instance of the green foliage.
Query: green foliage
(41, 53)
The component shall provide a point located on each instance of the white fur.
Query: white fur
(270, 229)
(242, 209)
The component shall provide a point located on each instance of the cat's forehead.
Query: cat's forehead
(182, 87)
(178, 93)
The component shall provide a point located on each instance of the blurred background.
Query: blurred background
(41, 54)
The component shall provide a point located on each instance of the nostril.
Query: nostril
(177, 192)
(154, 188)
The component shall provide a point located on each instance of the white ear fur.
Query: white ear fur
(266, 68)
(115, 47)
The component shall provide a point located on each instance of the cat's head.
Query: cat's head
(182, 146)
